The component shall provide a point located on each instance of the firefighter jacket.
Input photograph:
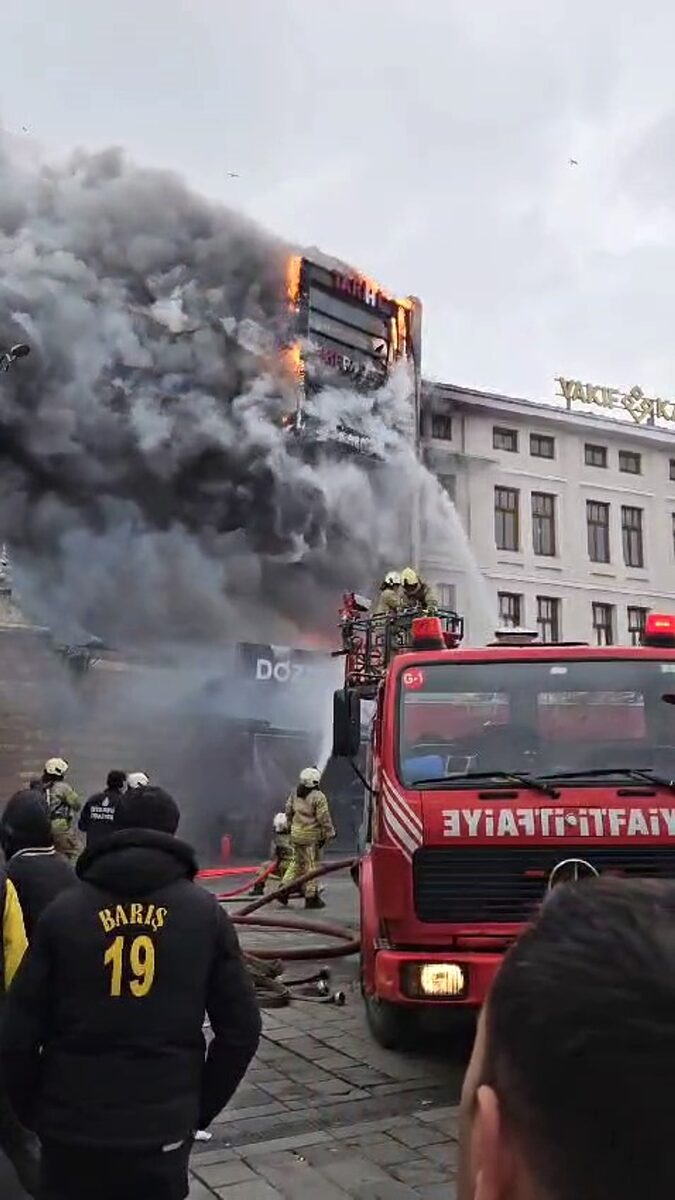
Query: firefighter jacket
(63, 803)
(281, 852)
(389, 601)
(422, 598)
(309, 817)
(102, 1044)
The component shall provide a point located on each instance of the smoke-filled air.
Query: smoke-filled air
(147, 488)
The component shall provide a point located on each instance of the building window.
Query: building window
(672, 468)
(603, 624)
(637, 619)
(505, 439)
(541, 446)
(597, 522)
(441, 427)
(595, 456)
(631, 534)
(448, 483)
(507, 518)
(630, 462)
(510, 610)
(447, 596)
(548, 618)
(543, 524)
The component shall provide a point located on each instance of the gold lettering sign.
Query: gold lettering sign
(643, 409)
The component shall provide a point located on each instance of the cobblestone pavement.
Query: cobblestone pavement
(325, 1113)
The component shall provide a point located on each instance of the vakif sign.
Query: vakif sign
(643, 409)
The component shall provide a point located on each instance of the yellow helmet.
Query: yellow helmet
(409, 577)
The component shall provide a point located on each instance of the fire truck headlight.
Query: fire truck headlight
(438, 981)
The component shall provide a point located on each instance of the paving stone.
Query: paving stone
(391, 1190)
(219, 1174)
(298, 1180)
(250, 1114)
(415, 1135)
(199, 1192)
(444, 1153)
(257, 1190)
(258, 1149)
(382, 1150)
(204, 1158)
(352, 1171)
(440, 1191)
(418, 1173)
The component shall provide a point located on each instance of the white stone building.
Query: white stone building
(570, 512)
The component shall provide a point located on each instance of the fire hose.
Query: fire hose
(266, 966)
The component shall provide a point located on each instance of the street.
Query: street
(324, 1112)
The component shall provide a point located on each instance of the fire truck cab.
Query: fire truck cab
(493, 774)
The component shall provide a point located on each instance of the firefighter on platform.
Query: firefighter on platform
(418, 595)
(311, 828)
(63, 804)
(390, 599)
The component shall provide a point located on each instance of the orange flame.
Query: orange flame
(293, 268)
(291, 357)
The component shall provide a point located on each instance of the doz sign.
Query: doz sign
(280, 672)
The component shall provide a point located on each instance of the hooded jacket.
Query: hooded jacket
(38, 873)
(102, 1043)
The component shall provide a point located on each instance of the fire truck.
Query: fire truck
(492, 775)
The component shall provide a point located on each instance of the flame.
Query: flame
(293, 269)
(291, 357)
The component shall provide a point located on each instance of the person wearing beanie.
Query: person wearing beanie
(98, 815)
(35, 868)
(102, 1048)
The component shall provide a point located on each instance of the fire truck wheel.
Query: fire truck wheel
(392, 1026)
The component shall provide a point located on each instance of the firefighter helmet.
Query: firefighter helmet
(137, 779)
(310, 777)
(392, 579)
(57, 767)
(280, 823)
(409, 577)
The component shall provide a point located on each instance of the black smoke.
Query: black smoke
(146, 487)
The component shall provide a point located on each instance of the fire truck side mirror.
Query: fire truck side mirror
(346, 723)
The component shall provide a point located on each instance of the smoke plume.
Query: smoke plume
(147, 490)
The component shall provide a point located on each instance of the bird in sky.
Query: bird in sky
(573, 162)
(232, 175)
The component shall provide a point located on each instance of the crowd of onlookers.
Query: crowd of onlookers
(109, 963)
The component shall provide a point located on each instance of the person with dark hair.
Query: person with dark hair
(568, 1093)
(35, 868)
(98, 815)
(102, 1045)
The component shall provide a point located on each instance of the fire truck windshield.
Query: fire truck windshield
(458, 719)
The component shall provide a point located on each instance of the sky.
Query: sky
(427, 143)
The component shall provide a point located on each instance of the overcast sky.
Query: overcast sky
(428, 143)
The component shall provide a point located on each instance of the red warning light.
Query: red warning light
(659, 630)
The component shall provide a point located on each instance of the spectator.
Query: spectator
(35, 868)
(98, 815)
(568, 1093)
(102, 1041)
(20, 1147)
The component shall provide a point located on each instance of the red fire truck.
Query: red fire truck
(492, 775)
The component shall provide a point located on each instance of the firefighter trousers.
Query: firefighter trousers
(305, 858)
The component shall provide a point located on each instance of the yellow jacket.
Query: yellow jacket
(309, 818)
(14, 943)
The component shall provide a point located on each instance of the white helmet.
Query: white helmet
(56, 767)
(280, 823)
(310, 777)
(137, 779)
(393, 579)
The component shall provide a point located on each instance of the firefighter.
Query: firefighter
(137, 779)
(417, 593)
(280, 854)
(63, 804)
(311, 826)
(390, 599)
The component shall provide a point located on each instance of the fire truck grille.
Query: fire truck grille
(467, 886)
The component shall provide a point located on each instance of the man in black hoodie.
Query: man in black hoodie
(35, 868)
(102, 1042)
